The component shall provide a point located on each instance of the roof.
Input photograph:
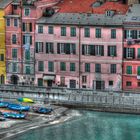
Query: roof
(86, 6)
(82, 19)
(4, 3)
(133, 14)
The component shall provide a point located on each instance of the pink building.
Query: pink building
(131, 61)
(20, 36)
(80, 51)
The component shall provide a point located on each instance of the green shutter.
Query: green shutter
(138, 53)
(138, 70)
(129, 70)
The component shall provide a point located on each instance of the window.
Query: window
(14, 39)
(99, 50)
(63, 31)
(40, 82)
(98, 32)
(87, 32)
(98, 68)
(1, 57)
(112, 51)
(27, 54)
(2, 79)
(40, 66)
(50, 66)
(26, 11)
(39, 47)
(129, 70)
(128, 83)
(50, 30)
(73, 31)
(138, 84)
(27, 39)
(113, 68)
(40, 29)
(87, 67)
(72, 66)
(131, 34)
(129, 53)
(62, 66)
(66, 48)
(14, 68)
(27, 27)
(15, 22)
(84, 79)
(62, 81)
(14, 53)
(138, 70)
(27, 70)
(8, 22)
(15, 7)
(113, 33)
(138, 53)
(110, 83)
(49, 47)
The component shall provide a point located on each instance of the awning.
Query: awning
(48, 77)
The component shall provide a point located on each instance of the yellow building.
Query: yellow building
(2, 48)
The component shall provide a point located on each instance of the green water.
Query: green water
(90, 126)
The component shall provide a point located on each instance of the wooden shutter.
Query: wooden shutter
(124, 53)
(83, 49)
(58, 48)
(30, 27)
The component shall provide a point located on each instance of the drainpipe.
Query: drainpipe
(79, 56)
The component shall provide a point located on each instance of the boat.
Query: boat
(18, 107)
(42, 110)
(25, 100)
(13, 115)
(2, 119)
(4, 104)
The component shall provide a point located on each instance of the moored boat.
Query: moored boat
(13, 115)
(4, 104)
(18, 107)
(42, 110)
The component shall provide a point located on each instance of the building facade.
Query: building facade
(79, 52)
(131, 61)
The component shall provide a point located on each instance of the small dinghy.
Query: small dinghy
(18, 107)
(13, 115)
(42, 110)
(4, 104)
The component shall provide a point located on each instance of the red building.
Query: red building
(131, 61)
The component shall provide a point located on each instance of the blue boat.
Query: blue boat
(18, 107)
(4, 104)
(13, 115)
(42, 110)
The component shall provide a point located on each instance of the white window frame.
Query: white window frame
(25, 11)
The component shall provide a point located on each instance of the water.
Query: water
(90, 126)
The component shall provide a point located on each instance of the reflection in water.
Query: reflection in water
(90, 126)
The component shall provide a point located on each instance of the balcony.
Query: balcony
(133, 41)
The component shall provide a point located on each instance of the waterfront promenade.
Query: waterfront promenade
(124, 102)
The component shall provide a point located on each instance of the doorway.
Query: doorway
(14, 79)
(100, 85)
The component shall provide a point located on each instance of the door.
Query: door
(72, 83)
(100, 85)
(50, 83)
(14, 79)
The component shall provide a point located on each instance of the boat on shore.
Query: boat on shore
(3, 104)
(25, 100)
(42, 110)
(18, 107)
(14, 115)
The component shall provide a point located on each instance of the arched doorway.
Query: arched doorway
(2, 79)
(14, 79)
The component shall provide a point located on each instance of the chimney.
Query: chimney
(131, 2)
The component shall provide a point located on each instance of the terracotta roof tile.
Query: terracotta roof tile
(85, 6)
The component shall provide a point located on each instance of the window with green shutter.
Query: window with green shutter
(138, 70)
(27, 55)
(129, 70)
(27, 71)
(113, 33)
(14, 53)
(40, 82)
(87, 67)
(87, 32)
(62, 66)
(63, 31)
(51, 66)
(40, 66)
(73, 31)
(98, 32)
(72, 66)
(50, 30)
(138, 52)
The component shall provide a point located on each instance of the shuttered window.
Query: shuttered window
(87, 67)
(129, 70)
(138, 70)
(62, 66)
